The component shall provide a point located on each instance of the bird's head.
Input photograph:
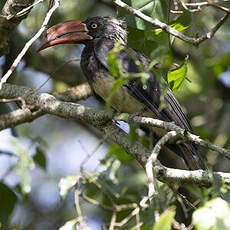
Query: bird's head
(76, 31)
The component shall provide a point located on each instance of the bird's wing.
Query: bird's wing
(148, 94)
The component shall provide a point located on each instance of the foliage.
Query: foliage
(24, 163)
(176, 77)
(114, 185)
(8, 200)
(165, 220)
(218, 212)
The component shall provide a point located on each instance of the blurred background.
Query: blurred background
(35, 156)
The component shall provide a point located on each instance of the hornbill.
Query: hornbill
(99, 35)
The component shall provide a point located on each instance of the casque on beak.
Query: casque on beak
(65, 32)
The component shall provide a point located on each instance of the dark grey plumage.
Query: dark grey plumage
(99, 34)
(95, 67)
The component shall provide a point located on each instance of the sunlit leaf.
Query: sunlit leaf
(217, 211)
(180, 24)
(176, 77)
(113, 59)
(69, 225)
(221, 65)
(165, 220)
(66, 184)
(177, 26)
(24, 163)
(7, 200)
(39, 158)
(161, 39)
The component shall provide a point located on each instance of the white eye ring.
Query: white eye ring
(94, 25)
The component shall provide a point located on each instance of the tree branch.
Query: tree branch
(17, 117)
(152, 160)
(200, 177)
(170, 126)
(30, 42)
(9, 20)
(170, 30)
(196, 6)
(49, 104)
(76, 93)
(28, 113)
(102, 121)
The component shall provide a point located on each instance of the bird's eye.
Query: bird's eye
(94, 25)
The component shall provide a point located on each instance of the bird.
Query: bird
(99, 35)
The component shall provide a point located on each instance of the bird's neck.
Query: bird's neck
(88, 62)
(118, 36)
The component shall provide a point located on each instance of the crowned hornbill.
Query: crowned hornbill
(99, 35)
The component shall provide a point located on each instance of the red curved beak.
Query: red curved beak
(65, 32)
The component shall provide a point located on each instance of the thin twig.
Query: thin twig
(170, 126)
(196, 6)
(77, 204)
(151, 161)
(113, 207)
(24, 11)
(113, 221)
(21, 99)
(97, 203)
(138, 222)
(128, 218)
(73, 94)
(55, 71)
(99, 186)
(89, 155)
(101, 119)
(81, 219)
(178, 226)
(29, 43)
(8, 153)
(137, 226)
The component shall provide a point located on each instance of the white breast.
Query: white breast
(122, 101)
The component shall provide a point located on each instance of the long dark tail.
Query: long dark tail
(193, 156)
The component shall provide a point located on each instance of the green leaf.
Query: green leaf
(67, 183)
(69, 225)
(165, 220)
(142, 40)
(180, 24)
(155, 9)
(176, 77)
(120, 153)
(157, 36)
(24, 163)
(113, 58)
(7, 200)
(217, 211)
(39, 158)
(221, 65)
